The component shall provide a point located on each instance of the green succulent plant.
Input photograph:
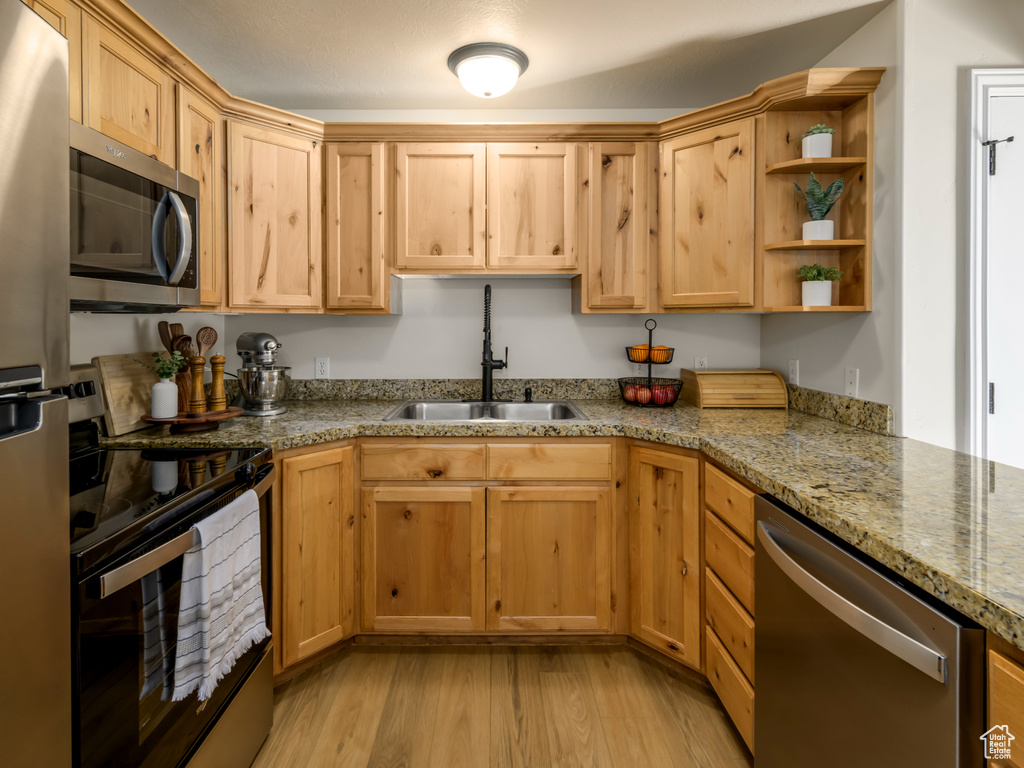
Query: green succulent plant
(820, 202)
(819, 128)
(165, 367)
(812, 272)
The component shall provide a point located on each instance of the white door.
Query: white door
(1005, 282)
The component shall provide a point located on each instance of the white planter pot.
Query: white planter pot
(819, 230)
(165, 399)
(818, 145)
(817, 293)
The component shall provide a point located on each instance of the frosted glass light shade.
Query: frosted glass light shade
(488, 70)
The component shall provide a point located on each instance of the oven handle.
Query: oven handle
(135, 569)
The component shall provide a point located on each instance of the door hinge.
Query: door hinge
(991, 397)
(992, 144)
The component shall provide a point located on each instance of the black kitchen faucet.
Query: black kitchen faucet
(489, 363)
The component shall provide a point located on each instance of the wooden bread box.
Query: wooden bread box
(759, 388)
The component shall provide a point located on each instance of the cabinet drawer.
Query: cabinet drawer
(732, 688)
(733, 625)
(733, 502)
(731, 559)
(422, 462)
(549, 461)
(1006, 699)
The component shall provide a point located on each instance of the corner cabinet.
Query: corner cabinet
(317, 564)
(274, 205)
(201, 156)
(707, 217)
(356, 224)
(665, 552)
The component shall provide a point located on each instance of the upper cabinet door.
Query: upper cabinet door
(201, 156)
(439, 206)
(126, 96)
(707, 217)
(531, 194)
(617, 252)
(273, 218)
(66, 18)
(357, 268)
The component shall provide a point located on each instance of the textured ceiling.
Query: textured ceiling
(584, 54)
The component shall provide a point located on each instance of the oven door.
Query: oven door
(124, 665)
(134, 228)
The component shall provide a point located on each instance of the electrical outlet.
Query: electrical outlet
(852, 381)
(794, 372)
(700, 363)
(322, 368)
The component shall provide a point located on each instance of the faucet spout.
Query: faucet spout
(489, 363)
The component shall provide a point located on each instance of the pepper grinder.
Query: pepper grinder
(197, 403)
(218, 400)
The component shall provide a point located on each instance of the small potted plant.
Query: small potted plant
(819, 203)
(817, 142)
(165, 391)
(817, 286)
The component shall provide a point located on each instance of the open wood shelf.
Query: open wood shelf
(814, 245)
(842, 308)
(817, 164)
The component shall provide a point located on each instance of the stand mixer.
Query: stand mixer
(261, 380)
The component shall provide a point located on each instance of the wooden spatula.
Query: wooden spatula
(164, 329)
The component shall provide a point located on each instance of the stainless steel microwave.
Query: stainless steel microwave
(134, 229)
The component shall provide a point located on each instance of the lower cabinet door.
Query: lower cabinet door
(317, 552)
(423, 559)
(548, 559)
(664, 516)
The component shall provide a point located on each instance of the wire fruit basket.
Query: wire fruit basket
(648, 391)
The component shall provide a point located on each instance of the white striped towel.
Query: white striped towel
(221, 613)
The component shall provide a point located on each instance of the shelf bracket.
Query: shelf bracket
(992, 144)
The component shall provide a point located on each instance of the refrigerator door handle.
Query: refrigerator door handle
(906, 648)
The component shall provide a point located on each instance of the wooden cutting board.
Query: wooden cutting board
(127, 391)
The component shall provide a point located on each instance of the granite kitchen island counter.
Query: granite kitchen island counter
(950, 523)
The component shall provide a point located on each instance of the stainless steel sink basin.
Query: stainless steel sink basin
(455, 410)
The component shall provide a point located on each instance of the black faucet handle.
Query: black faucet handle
(528, 395)
(504, 363)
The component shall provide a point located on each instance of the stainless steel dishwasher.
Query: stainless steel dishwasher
(854, 668)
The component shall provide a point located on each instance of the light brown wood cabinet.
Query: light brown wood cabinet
(66, 18)
(622, 201)
(423, 559)
(317, 552)
(531, 199)
(125, 94)
(665, 562)
(1005, 699)
(706, 207)
(201, 155)
(274, 206)
(548, 559)
(357, 222)
(440, 206)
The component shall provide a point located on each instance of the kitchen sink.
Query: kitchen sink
(455, 410)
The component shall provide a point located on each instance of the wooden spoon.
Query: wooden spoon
(206, 338)
(164, 329)
(177, 329)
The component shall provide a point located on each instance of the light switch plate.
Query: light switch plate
(794, 372)
(852, 381)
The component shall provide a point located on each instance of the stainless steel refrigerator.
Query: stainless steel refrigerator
(35, 602)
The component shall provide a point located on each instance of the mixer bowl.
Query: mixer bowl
(263, 388)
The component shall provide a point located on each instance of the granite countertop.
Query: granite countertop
(950, 523)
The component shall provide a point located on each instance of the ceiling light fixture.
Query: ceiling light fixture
(488, 70)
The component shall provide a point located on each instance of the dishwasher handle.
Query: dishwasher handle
(908, 649)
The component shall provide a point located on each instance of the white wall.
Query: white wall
(439, 335)
(94, 335)
(827, 344)
(942, 39)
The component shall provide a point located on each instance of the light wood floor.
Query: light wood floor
(503, 707)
